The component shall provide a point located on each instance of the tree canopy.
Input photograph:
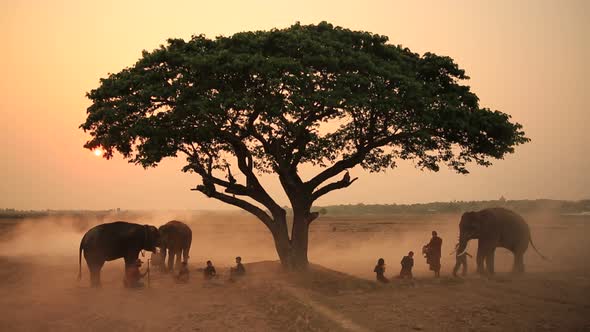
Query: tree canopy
(270, 101)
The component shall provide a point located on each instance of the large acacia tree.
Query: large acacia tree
(270, 101)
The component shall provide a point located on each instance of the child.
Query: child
(380, 271)
(407, 264)
(209, 271)
(239, 269)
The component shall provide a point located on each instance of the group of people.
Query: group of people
(234, 272)
(133, 275)
(432, 252)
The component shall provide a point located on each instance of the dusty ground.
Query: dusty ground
(39, 290)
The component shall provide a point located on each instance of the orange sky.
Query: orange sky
(526, 58)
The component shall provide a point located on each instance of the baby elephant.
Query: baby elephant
(176, 238)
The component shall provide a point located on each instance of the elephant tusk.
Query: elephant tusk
(462, 253)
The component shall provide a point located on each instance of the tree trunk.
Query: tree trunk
(293, 252)
(282, 243)
(299, 241)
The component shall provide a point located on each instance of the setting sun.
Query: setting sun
(98, 152)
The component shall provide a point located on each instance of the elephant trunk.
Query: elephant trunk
(462, 248)
(163, 251)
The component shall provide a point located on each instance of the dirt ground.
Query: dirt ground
(39, 290)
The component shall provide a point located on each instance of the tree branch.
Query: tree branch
(231, 187)
(353, 160)
(254, 188)
(312, 216)
(336, 169)
(345, 182)
(253, 209)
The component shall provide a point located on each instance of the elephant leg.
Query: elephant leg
(162, 264)
(456, 268)
(185, 254)
(95, 268)
(479, 259)
(490, 262)
(171, 254)
(518, 263)
(464, 272)
(178, 258)
(131, 258)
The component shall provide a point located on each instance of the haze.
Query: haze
(525, 58)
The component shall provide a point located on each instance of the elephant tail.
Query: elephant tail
(187, 249)
(80, 260)
(537, 250)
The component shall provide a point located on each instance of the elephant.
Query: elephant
(495, 227)
(176, 237)
(110, 241)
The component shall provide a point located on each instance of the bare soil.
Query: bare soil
(39, 290)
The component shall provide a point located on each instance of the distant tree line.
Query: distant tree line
(21, 214)
(522, 206)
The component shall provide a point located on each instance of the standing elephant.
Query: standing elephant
(114, 240)
(176, 237)
(495, 227)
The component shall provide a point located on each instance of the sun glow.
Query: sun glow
(98, 152)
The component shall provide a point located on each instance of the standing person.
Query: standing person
(460, 260)
(432, 252)
(380, 271)
(133, 276)
(209, 272)
(407, 264)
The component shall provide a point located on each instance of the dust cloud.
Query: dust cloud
(39, 264)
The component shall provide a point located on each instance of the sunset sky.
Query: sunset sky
(525, 58)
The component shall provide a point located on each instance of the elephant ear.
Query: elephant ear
(467, 217)
(163, 232)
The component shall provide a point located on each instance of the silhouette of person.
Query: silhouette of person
(209, 272)
(239, 270)
(380, 271)
(407, 264)
(432, 252)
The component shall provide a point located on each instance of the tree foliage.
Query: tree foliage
(270, 101)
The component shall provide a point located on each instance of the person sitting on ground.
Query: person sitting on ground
(380, 271)
(460, 260)
(239, 270)
(209, 271)
(156, 259)
(183, 274)
(407, 264)
(133, 275)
